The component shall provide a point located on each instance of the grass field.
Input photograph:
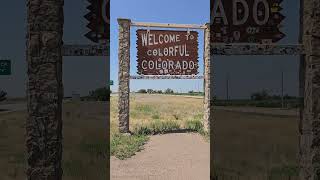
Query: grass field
(151, 114)
(253, 145)
(245, 144)
(85, 137)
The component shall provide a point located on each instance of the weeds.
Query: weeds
(156, 127)
(123, 146)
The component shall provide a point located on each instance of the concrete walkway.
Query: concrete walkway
(179, 156)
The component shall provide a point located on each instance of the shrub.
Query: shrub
(195, 125)
(168, 91)
(150, 91)
(142, 91)
(101, 94)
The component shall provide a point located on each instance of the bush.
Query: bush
(258, 96)
(195, 125)
(142, 91)
(100, 94)
(168, 91)
(150, 91)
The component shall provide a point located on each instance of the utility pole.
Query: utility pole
(282, 100)
(227, 87)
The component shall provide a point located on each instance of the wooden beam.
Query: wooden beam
(163, 25)
(86, 50)
(256, 49)
(166, 77)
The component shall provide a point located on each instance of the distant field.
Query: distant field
(84, 133)
(246, 144)
(145, 109)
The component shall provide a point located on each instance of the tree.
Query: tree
(142, 91)
(159, 91)
(258, 96)
(101, 94)
(149, 91)
(3, 96)
(168, 91)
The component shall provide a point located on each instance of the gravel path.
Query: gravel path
(179, 156)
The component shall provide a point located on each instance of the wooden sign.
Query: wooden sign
(99, 20)
(162, 52)
(246, 21)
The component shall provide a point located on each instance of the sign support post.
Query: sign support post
(309, 130)
(124, 74)
(44, 89)
(208, 81)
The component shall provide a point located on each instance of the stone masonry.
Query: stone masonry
(309, 127)
(208, 81)
(44, 89)
(124, 74)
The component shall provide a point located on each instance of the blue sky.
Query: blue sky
(165, 11)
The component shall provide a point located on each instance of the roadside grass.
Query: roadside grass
(255, 145)
(150, 115)
(84, 142)
(275, 173)
(262, 146)
(123, 146)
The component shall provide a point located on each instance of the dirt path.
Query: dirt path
(166, 157)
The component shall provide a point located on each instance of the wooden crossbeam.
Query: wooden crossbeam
(256, 49)
(163, 25)
(166, 77)
(86, 50)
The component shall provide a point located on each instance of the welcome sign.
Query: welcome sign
(162, 52)
(246, 21)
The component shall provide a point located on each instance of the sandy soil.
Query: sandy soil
(184, 156)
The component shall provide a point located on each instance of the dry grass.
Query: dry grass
(254, 145)
(85, 142)
(146, 109)
(247, 145)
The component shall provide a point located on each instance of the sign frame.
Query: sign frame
(125, 77)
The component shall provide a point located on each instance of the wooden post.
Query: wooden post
(44, 89)
(208, 81)
(124, 74)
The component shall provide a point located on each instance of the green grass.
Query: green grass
(146, 109)
(195, 125)
(157, 127)
(123, 146)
